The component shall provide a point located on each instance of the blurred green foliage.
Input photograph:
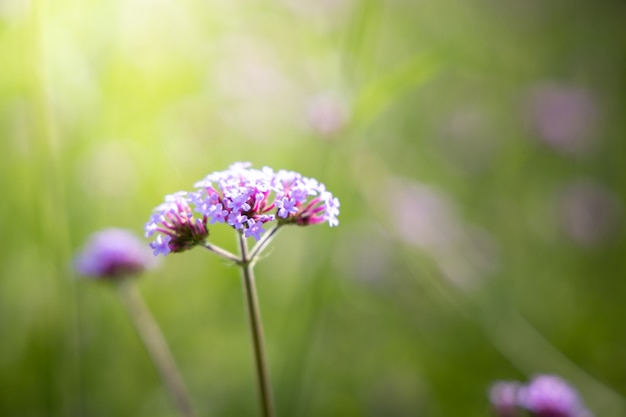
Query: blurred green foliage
(476, 147)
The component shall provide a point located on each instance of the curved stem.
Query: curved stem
(223, 253)
(256, 328)
(150, 334)
(261, 244)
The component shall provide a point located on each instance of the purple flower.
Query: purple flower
(565, 117)
(245, 199)
(551, 396)
(254, 229)
(327, 114)
(286, 206)
(237, 220)
(503, 396)
(113, 253)
(590, 212)
(161, 245)
(178, 229)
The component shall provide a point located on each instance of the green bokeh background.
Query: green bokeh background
(454, 264)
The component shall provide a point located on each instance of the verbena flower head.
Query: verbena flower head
(176, 226)
(551, 396)
(245, 199)
(112, 254)
(503, 396)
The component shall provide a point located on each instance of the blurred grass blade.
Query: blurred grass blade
(383, 91)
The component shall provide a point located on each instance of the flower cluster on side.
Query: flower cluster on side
(176, 227)
(243, 198)
(544, 396)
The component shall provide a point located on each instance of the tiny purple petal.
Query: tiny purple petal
(217, 214)
(150, 228)
(286, 206)
(237, 220)
(255, 229)
(160, 245)
(332, 210)
(299, 195)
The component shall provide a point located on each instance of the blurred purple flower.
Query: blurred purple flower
(564, 117)
(113, 253)
(425, 218)
(551, 396)
(245, 199)
(259, 93)
(590, 212)
(327, 113)
(503, 396)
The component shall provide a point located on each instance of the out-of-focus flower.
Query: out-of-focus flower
(113, 253)
(564, 117)
(503, 396)
(590, 212)
(425, 218)
(245, 199)
(249, 70)
(327, 113)
(551, 396)
(544, 396)
(259, 91)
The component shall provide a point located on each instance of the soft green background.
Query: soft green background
(452, 266)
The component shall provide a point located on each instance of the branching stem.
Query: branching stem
(261, 244)
(222, 252)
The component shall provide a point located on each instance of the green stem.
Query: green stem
(222, 252)
(154, 342)
(256, 328)
(261, 244)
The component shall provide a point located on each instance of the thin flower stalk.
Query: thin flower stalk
(150, 334)
(256, 330)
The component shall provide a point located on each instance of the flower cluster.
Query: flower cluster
(243, 198)
(112, 254)
(544, 396)
(177, 228)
